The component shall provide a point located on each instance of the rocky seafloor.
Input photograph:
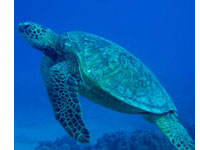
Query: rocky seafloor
(137, 140)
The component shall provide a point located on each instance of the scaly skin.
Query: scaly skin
(62, 87)
(171, 127)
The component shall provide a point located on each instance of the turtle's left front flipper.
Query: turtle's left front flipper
(62, 88)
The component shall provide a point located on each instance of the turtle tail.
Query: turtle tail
(169, 124)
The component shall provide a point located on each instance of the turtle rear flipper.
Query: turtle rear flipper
(169, 124)
(62, 90)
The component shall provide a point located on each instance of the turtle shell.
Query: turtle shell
(119, 73)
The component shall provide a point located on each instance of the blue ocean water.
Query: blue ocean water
(159, 33)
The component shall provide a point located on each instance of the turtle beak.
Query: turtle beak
(20, 27)
(23, 27)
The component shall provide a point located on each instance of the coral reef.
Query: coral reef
(137, 140)
(148, 140)
(62, 143)
(115, 141)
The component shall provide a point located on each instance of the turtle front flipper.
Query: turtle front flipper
(169, 124)
(62, 88)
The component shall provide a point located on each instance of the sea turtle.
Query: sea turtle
(79, 63)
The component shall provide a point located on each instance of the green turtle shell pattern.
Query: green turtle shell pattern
(119, 73)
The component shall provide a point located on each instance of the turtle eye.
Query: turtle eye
(26, 26)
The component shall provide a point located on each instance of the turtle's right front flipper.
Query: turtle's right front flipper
(62, 89)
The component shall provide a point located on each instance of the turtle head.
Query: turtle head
(39, 37)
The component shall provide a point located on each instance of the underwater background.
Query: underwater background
(159, 33)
